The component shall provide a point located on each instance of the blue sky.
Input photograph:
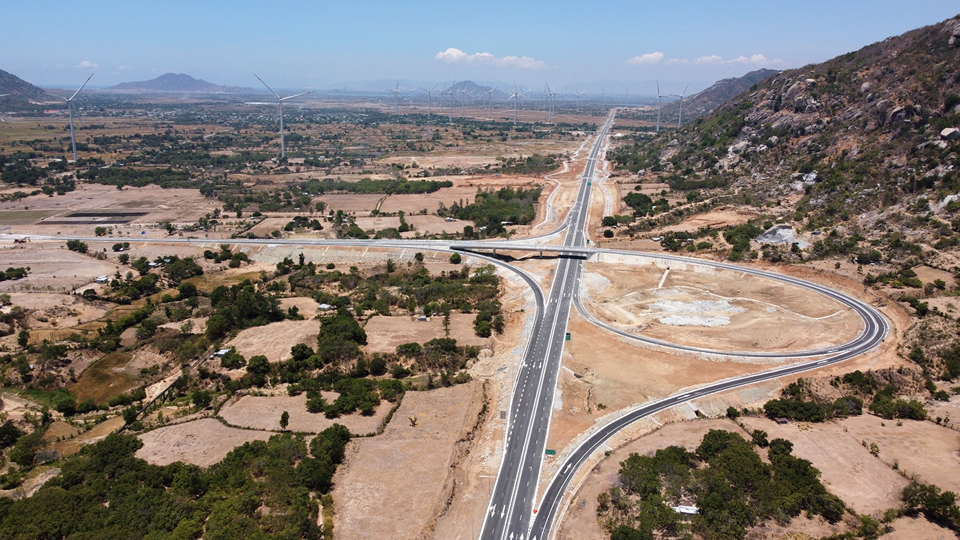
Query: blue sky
(327, 44)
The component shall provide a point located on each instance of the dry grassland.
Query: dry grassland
(263, 412)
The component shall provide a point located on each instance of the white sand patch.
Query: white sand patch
(695, 313)
(695, 320)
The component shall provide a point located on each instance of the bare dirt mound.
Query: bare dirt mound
(203, 442)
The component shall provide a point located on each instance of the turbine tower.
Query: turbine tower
(578, 94)
(396, 99)
(69, 100)
(659, 105)
(680, 118)
(429, 98)
(280, 100)
(450, 92)
(515, 96)
(490, 102)
(463, 98)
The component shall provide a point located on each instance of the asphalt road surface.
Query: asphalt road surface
(511, 505)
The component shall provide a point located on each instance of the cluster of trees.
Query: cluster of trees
(643, 205)
(225, 254)
(797, 402)
(437, 354)
(182, 501)
(77, 245)
(739, 237)
(124, 176)
(534, 164)
(366, 185)
(13, 273)
(303, 222)
(732, 486)
(490, 209)
(240, 306)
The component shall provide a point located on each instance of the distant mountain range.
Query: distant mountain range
(179, 82)
(11, 84)
(722, 91)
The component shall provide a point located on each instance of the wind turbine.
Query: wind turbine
(280, 100)
(515, 96)
(680, 118)
(578, 94)
(550, 102)
(463, 98)
(69, 100)
(396, 99)
(490, 102)
(659, 104)
(450, 92)
(429, 98)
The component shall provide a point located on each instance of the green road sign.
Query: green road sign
(551, 452)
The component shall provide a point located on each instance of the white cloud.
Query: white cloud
(648, 58)
(124, 68)
(454, 55)
(742, 60)
(86, 64)
(710, 60)
(673, 61)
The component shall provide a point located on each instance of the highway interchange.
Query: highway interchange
(513, 512)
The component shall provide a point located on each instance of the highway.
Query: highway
(511, 513)
(511, 504)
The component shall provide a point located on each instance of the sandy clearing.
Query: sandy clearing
(203, 442)
(263, 412)
(384, 334)
(395, 485)
(718, 309)
(866, 484)
(275, 339)
(52, 268)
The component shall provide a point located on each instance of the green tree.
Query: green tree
(201, 399)
(455, 258)
(284, 420)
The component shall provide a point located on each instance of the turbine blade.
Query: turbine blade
(296, 96)
(81, 87)
(684, 90)
(268, 87)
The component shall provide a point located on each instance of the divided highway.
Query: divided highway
(514, 494)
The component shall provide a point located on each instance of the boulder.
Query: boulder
(865, 87)
(739, 147)
(950, 134)
(773, 140)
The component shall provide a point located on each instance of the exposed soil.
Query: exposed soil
(717, 309)
(203, 442)
(397, 484)
(275, 339)
(384, 334)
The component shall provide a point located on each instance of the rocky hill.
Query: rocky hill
(719, 93)
(178, 82)
(21, 89)
(864, 146)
